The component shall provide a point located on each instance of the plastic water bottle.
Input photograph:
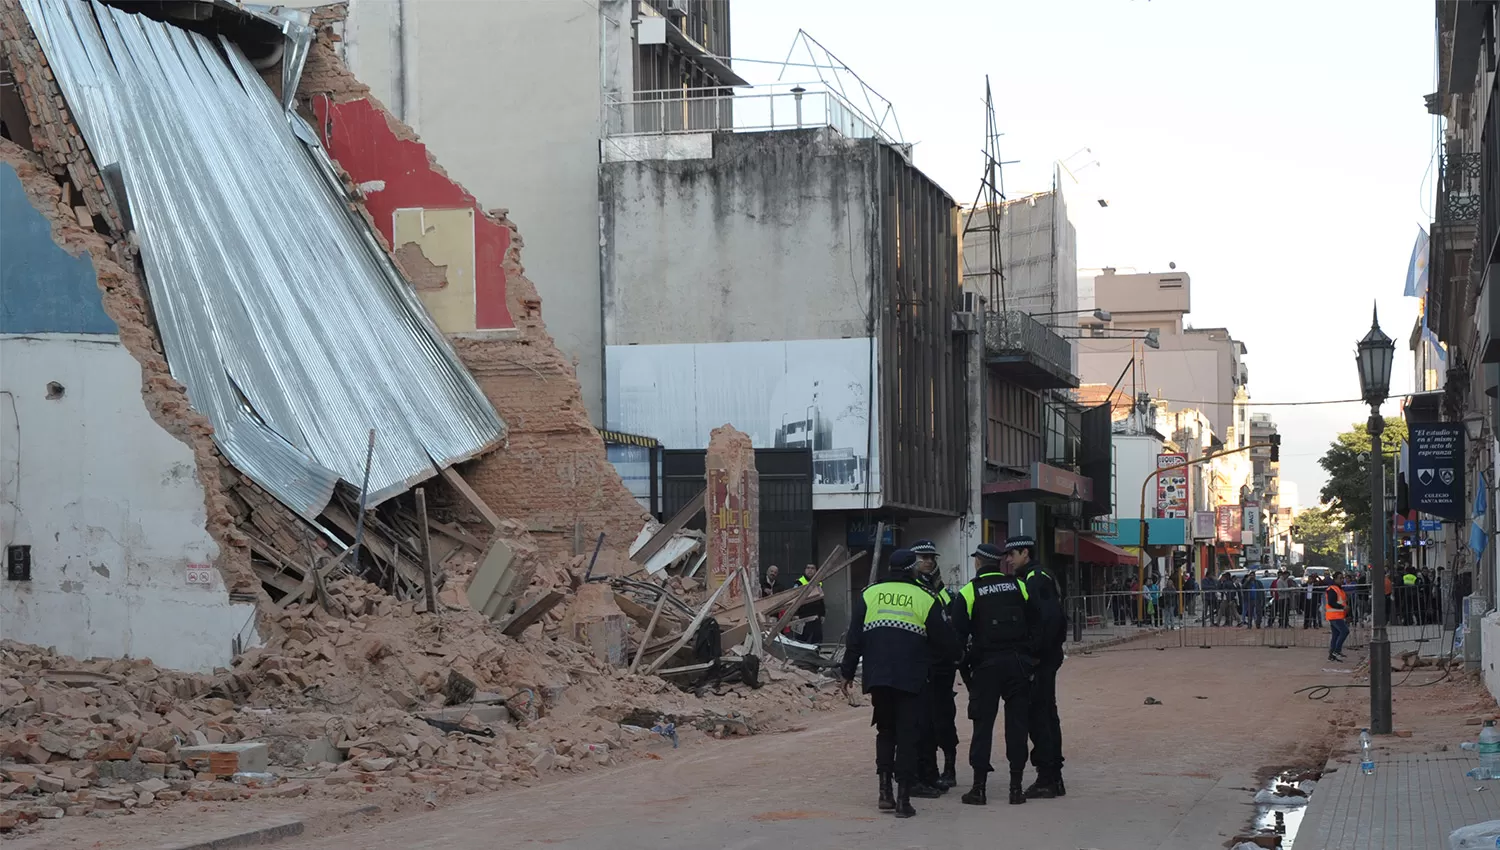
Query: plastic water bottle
(1489, 750)
(1366, 753)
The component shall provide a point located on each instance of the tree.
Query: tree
(1348, 489)
(1321, 535)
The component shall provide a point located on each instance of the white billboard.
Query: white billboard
(815, 393)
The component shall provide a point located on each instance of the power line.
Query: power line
(1248, 403)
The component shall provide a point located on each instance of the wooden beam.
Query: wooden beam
(687, 633)
(663, 535)
(452, 477)
(827, 570)
(426, 551)
(456, 533)
(752, 619)
(531, 613)
(661, 603)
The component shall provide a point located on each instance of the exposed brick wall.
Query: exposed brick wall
(552, 475)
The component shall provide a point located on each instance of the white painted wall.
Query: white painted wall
(1135, 458)
(508, 97)
(113, 510)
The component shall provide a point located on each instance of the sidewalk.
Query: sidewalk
(1418, 793)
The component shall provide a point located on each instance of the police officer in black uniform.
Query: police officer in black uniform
(1044, 725)
(942, 728)
(899, 629)
(1001, 629)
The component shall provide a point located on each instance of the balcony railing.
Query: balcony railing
(1459, 198)
(766, 108)
(1029, 350)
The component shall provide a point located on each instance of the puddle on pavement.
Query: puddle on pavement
(1281, 814)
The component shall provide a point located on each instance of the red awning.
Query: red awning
(1095, 551)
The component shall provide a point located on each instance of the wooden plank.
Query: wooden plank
(531, 613)
(640, 613)
(663, 535)
(452, 477)
(661, 602)
(824, 572)
(426, 551)
(752, 619)
(376, 545)
(687, 633)
(456, 533)
(275, 578)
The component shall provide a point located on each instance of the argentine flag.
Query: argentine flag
(1416, 268)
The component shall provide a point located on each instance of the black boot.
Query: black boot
(1042, 789)
(887, 797)
(924, 791)
(1057, 784)
(1017, 796)
(949, 778)
(903, 799)
(975, 795)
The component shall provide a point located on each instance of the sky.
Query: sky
(1278, 152)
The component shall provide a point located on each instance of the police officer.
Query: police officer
(1044, 724)
(812, 630)
(899, 629)
(1001, 629)
(942, 729)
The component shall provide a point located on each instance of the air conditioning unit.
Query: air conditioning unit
(677, 8)
(964, 322)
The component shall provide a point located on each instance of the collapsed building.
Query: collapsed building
(286, 449)
(178, 214)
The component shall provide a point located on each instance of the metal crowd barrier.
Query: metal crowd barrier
(1135, 620)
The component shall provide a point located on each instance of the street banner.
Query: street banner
(1172, 486)
(1436, 477)
(1203, 525)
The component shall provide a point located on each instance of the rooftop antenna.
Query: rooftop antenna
(841, 79)
(988, 209)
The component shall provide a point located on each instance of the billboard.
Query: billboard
(1203, 525)
(813, 393)
(1229, 518)
(1171, 486)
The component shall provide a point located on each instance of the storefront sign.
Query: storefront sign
(1436, 476)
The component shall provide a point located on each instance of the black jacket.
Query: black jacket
(995, 615)
(1047, 595)
(933, 582)
(897, 657)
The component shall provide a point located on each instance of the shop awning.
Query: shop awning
(1095, 551)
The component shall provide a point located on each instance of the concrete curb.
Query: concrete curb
(251, 838)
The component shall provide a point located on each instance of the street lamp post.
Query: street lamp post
(1075, 510)
(1374, 356)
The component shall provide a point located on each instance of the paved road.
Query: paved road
(1178, 776)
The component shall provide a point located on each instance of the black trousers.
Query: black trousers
(940, 731)
(898, 728)
(1044, 726)
(812, 631)
(1003, 679)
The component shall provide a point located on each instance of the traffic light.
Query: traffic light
(1276, 448)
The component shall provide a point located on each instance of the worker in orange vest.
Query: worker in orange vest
(1336, 610)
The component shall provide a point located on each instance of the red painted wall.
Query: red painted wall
(359, 139)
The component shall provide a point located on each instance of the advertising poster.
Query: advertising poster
(1436, 476)
(1172, 486)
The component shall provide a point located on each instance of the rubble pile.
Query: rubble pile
(349, 699)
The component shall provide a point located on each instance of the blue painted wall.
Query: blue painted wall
(43, 289)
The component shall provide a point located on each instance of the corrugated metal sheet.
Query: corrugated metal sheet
(278, 310)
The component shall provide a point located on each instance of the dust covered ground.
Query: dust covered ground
(1176, 776)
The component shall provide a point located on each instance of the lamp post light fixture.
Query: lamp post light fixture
(1374, 356)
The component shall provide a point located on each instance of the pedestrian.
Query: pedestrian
(943, 717)
(1337, 602)
(768, 584)
(1001, 629)
(812, 630)
(1309, 607)
(1229, 600)
(898, 629)
(1153, 600)
(1043, 723)
(1210, 601)
(1285, 590)
(1190, 590)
